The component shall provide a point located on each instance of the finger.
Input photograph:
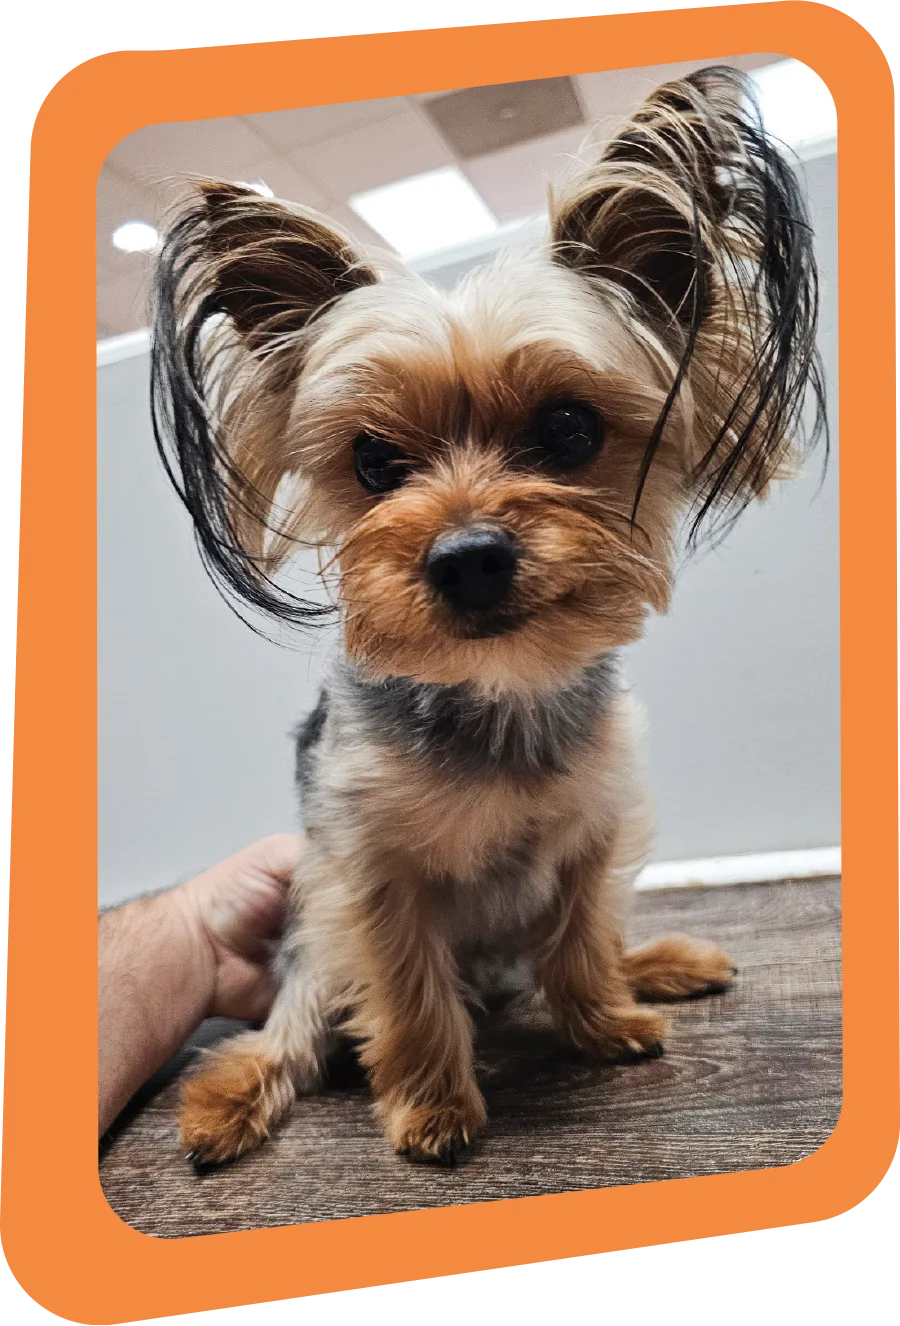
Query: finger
(278, 855)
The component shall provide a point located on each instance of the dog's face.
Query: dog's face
(475, 459)
(501, 469)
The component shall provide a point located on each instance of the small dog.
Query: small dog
(503, 471)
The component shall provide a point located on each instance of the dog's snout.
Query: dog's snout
(473, 568)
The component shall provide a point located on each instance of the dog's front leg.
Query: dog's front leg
(248, 1086)
(581, 969)
(416, 1034)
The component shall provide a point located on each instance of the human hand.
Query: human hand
(235, 909)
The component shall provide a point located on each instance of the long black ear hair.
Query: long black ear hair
(696, 216)
(238, 280)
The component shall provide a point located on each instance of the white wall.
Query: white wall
(741, 680)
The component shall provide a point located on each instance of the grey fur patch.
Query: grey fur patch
(307, 735)
(496, 979)
(460, 730)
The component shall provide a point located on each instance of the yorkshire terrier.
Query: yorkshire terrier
(502, 474)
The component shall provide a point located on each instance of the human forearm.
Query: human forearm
(195, 951)
(157, 976)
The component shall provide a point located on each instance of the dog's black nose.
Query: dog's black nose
(472, 568)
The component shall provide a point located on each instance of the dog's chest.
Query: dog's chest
(499, 899)
(485, 838)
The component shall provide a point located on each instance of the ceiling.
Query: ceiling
(510, 140)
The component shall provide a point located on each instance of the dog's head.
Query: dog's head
(501, 470)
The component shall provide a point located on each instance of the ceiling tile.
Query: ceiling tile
(406, 144)
(225, 148)
(755, 61)
(430, 96)
(288, 182)
(513, 183)
(613, 95)
(289, 130)
(479, 120)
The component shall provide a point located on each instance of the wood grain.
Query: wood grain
(750, 1079)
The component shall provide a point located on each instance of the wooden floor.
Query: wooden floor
(749, 1079)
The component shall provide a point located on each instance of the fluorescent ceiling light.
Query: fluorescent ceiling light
(427, 212)
(135, 237)
(795, 103)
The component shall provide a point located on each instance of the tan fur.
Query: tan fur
(677, 967)
(576, 558)
(233, 1106)
(385, 930)
(581, 969)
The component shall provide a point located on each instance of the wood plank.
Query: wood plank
(750, 1079)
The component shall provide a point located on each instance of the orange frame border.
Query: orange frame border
(63, 1242)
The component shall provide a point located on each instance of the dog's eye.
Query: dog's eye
(568, 432)
(380, 466)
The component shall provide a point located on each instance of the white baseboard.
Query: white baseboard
(756, 868)
(127, 346)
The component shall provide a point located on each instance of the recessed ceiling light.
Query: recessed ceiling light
(135, 237)
(425, 213)
(256, 186)
(795, 103)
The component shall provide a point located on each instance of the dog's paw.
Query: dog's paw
(618, 1035)
(677, 967)
(231, 1109)
(436, 1133)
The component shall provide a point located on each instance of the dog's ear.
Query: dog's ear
(269, 266)
(645, 215)
(695, 215)
(239, 280)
